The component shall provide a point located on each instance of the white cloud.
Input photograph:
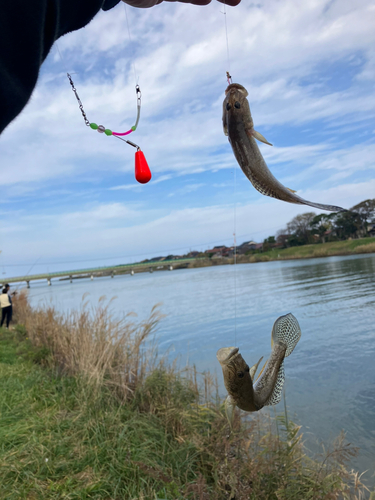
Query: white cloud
(126, 187)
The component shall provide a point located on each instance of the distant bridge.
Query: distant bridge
(97, 272)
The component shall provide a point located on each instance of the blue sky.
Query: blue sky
(69, 197)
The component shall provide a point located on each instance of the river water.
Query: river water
(330, 377)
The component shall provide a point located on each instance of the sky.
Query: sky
(69, 197)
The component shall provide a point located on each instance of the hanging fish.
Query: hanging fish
(238, 377)
(239, 127)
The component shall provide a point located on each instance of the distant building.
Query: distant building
(219, 251)
(231, 252)
(193, 253)
(246, 246)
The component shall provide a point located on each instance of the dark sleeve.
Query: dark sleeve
(28, 30)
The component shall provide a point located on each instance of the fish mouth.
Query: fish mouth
(225, 354)
(233, 87)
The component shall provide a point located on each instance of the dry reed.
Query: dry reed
(370, 248)
(90, 343)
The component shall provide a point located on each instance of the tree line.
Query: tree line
(358, 222)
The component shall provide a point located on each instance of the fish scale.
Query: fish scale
(278, 389)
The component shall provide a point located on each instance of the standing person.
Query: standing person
(6, 306)
(7, 287)
(27, 33)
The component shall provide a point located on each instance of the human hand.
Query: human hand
(144, 4)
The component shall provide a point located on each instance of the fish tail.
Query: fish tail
(322, 206)
(287, 331)
(278, 389)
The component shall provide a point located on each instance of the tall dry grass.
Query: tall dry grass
(90, 343)
(369, 248)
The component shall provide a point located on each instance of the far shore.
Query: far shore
(330, 249)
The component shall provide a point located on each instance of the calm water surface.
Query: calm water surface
(330, 376)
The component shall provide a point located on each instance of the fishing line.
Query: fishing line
(235, 254)
(61, 57)
(29, 271)
(229, 80)
(130, 40)
(226, 37)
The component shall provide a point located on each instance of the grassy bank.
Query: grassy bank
(88, 411)
(348, 247)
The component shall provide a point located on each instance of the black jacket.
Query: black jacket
(28, 29)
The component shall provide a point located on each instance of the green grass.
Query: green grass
(62, 438)
(363, 245)
(59, 440)
(348, 247)
(57, 443)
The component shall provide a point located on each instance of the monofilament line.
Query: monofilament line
(235, 254)
(226, 36)
(130, 40)
(235, 201)
(61, 57)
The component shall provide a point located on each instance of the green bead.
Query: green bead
(94, 126)
(133, 128)
(107, 131)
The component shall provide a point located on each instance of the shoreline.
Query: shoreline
(313, 251)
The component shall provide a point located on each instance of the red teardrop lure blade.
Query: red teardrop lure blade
(142, 170)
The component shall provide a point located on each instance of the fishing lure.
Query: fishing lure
(142, 170)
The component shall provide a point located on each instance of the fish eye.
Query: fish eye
(240, 374)
(237, 105)
(228, 106)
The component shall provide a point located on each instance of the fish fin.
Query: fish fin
(291, 190)
(278, 388)
(260, 137)
(225, 124)
(261, 371)
(229, 409)
(287, 331)
(254, 368)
